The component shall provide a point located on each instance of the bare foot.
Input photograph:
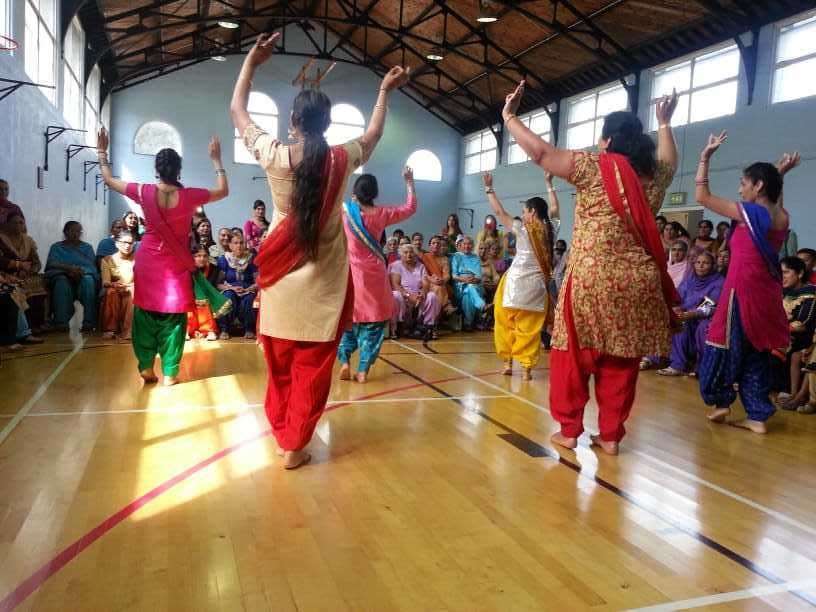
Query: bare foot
(718, 415)
(562, 440)
(149, 376)
(755, 426)
(361, 377)
(508, 368)
(527, 374)
(295, 459)
(280, 452)
(345, 372)
(169, 381)
(610, 448)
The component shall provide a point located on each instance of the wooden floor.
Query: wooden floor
(433, 487)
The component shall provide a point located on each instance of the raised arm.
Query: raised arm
(394, 78)
(666, 147)
(721, 206)
(502, 215)
(102, 141)
(550, 158)
(395, 214)
(554, 209)
(261, 51)
(221, 189)
(786, 163)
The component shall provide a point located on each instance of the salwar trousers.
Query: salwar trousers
(300, 375)
(159, 333)
(201, 320)
(427, 312)
(368, 337)
(471, 302)
(117, 312)
(516, 332)
(570, 371)
(64, 292)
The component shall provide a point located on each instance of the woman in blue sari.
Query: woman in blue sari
(72, 275)
(466, 272)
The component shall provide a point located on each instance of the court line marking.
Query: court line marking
(714, 487)
(37, 395)
(720, 598)
(245, 407)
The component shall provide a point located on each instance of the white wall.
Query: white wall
(196, 101)
(760, 132)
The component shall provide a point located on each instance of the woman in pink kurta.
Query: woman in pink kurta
(163, 284)
(373, 305)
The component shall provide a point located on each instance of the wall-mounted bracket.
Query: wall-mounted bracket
(13, 85)
(52, 132)
(87, 165)
(70, 152)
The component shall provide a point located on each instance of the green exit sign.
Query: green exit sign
(678, 198)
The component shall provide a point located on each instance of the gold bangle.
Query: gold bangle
(663, 125)
(510, 118)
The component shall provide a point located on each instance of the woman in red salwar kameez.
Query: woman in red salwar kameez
(611, 315)
(306, 293)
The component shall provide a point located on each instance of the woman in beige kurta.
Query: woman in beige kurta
(306, 296)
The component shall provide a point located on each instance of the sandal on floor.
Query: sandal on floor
(670, 372)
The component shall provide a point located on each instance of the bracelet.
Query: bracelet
(489, 190)
(104, 164)
(510, 118)
(701, 182)
(704, 161)
(663, 125)
(382, 106)
(220, 171)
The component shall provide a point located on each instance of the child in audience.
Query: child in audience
(209, 304)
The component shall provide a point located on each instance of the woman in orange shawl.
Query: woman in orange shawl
(608, 317)
(438, 267)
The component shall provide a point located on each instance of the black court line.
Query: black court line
(427, 346)
(18, 356)
(534, 449)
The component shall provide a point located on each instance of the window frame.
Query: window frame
(92, 103)
(777, 65)
(438, 162)
(527, 120)
(70, 72)
(238, 139)
(692, 60)
(41, 24)
(596, 93)
(480, 153)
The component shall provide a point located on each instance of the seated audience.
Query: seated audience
(437, 269)
(704, 240)
(494, 254)
(451, 233)
(699, 295)
(722, 234)
(490, 277)
(222, 246)
(20, 260)
(418, 242)
(723, 260)
(202, 234)
(392, 250)
(416, 308)
(682, 233)
(236, 280)
(809, 257)
(466, 272)
(510, 245)
(7, 207)
(117, 289)
(399, 235)
(661, 222)
(678, 264)
(668, 236)
(490, 231)
(209, 303)
(255, 227)
(133, 225)
(107, 246)
(71, 273)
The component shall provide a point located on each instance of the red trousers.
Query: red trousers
(615, 384)
(201, 320)
(300, 376)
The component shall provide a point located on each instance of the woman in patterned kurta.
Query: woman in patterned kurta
(608, 316)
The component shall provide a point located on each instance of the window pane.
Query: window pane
(540, 123)
(91, 126)
(46, 61)
(269, 123)
(516, 154)
(92, 88)
(582, 109)
(488, 140)
(72, 99)
(473, 144)
(4, 20)
(240, 153)
(716, 67)
(677, 77)
(339, 133)
(797, 40)
(795, 81)
(581, 136)
(612, 100)
(488, 160)
(346, 113)
(30, 49)
(47, 12)
(426, 165)
(680, 116)
(714, 102)
(472, 164)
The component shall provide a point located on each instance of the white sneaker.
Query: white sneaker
(211, 336)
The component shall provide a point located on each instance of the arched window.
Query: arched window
(154, 136)
(264, 112)
(347, 123)
(426, 166)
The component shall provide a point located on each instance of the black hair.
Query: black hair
(366, 189)
(209, 237)
(456, 230)
(706, 222)
(807, 251)
(626, 132)
(561, 241)
(541, 209)
(68, 225)
(661, 218)
(795, 264)
(725, 224)
(199, 248)
(4, 181)
(16, 213)
(258, 204)
(769, 175)
(168, 166)
(398, 231)
(681, 231)
(125, 234)
(415, 234)
(311, 115)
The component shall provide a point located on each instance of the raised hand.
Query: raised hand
(548, 178)
(395, 78)
(513, 100)
(788, 162)
(102, 140)
(665, 107)
(714, 143)
(487, 179)
(214, 148)
(408, 174)
(262, 49)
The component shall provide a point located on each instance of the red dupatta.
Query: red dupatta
(279, 253)
(623, 186)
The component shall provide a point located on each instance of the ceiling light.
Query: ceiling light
(486, 13)
(436, 54)
(219, 58)
(229, 24)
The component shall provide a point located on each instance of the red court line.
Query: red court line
(38, 578)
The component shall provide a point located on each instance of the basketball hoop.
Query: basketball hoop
(7, 44)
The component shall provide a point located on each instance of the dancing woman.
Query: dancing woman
(751, 321)
(163, 280)
(523, 305)
(306, 291)
(373, 304)
(608, 317)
